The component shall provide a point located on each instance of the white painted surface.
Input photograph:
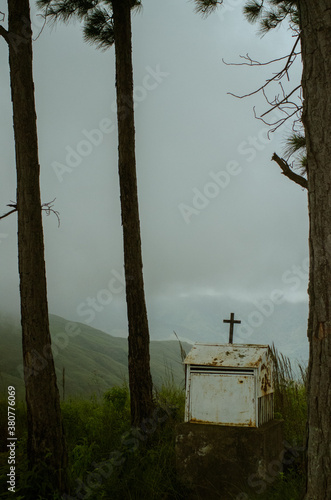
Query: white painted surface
(225, 399)
(229, 384)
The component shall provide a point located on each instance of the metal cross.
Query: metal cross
(232, 321)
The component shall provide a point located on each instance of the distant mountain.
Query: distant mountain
(200, 319)
(93, 361)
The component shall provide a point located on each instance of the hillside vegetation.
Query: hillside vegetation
(108, 458)
(93, 361)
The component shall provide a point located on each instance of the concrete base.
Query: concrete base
(221, 462)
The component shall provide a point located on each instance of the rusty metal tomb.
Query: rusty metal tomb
(229, 384)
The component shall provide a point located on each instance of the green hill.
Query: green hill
(93, 360)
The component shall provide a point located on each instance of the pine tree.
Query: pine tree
(107, 23)
(46, 445)
(312, 21)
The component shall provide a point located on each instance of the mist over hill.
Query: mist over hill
(93, 361)
(200, 319)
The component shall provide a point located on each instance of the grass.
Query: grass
(107, 456)
(288, 486)
(290, 406)
(290, 397)
(109, 459)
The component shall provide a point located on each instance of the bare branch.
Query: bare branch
(13, 205)
(8, 213)
(288, 172)
(48, 208)
(252, 62)
(43, 26)
(285, 101)
(4, 33)
(290, 58)
(279, 122)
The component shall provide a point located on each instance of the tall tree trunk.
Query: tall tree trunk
(46, 441)
(315, 20)
(140, 380)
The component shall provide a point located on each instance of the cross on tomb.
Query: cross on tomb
(232, 321)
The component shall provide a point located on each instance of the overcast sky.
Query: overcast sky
(217, 217)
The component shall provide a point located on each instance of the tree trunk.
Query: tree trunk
(315, 24)
(46, 441)
(140, 380)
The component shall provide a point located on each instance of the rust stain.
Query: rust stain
(197, 421)
(265, 383)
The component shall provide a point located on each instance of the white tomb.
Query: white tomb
(229, 384)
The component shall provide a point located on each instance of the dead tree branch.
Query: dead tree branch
(289, 108)
(46, 207)
(4, 33)
(290, 58)
(252, 62)
(285, 101)
(288, 172)
(279, 122)
(44, 17)
(14, 206)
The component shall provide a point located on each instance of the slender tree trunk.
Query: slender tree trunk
(140, 380)
(315, 19)
(45, 433)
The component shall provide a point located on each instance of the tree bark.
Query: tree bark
(140, 379)
(315, 25)
(46, 443)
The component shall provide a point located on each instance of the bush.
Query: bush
(109, 459)
(120, 461)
